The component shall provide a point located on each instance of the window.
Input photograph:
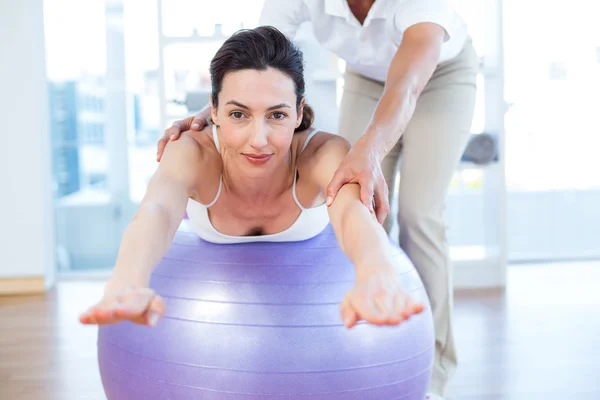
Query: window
(552, 84)
(192, 33)
(106, 121)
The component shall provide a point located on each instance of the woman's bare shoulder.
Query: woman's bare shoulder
(320, 141)
(323, 150)
(204, 139)
(195, 159)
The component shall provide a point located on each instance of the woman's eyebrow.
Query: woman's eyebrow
(282, 105)
(238, 104)
(235, 103)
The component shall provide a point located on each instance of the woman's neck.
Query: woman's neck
(261, 190)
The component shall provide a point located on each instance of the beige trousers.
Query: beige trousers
(426, 158)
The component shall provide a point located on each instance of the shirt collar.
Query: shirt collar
(340, 8)
(379, 10)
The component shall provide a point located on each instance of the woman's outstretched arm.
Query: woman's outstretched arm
(377, 296)
(151, 231)
(148, 237)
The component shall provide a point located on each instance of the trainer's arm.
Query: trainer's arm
(150, 233)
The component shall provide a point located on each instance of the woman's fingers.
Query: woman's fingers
(379, 298)
(385, 304)
(411, 309)
(86, 318)
(96, 316)
(366, 307)
(156, 311)
(99, 313)
(349, 315)
(133, 306)
(141, 306)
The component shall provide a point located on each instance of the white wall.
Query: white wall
(26, 211)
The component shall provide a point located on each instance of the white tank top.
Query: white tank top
(309, 223)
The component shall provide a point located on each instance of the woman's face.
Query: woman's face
(257, 117)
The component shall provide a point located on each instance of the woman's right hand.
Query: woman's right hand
(378, 298)
(196, 123)
(140, 305)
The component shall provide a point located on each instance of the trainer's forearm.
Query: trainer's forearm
(360, 236)
(145, 241)
(410, 70)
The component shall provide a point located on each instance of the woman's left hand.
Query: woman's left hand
(378, 298)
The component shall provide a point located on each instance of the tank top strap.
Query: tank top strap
(216, 137)
(308, 138)
(216, 140)
(218, 193)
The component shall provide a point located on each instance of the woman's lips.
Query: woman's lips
(258, 159)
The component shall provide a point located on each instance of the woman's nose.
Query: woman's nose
(259, 135)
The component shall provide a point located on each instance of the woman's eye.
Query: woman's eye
(237, 114)
(278, 115)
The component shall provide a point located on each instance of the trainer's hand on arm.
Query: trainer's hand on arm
(410, 70)
(362, 165)
(377, 296)
(196, 123)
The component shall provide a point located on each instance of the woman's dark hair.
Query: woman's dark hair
(259, 49)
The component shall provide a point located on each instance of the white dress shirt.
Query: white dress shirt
(369, 48)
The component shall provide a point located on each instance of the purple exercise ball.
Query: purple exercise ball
(262, 321)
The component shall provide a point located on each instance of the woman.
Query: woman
(407, 106)
(259, 173)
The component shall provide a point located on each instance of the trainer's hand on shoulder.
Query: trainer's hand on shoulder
(361, 165)
(140, 305)
(196, 123)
